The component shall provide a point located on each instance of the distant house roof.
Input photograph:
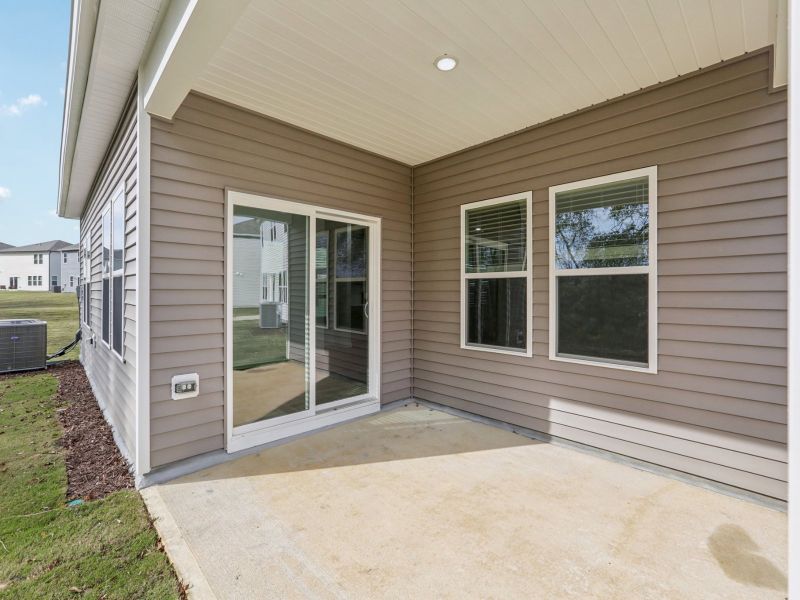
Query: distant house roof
(40, 247)
(70, 248)
(4, 246)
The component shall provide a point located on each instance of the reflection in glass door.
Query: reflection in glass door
(342, 309)
(301, 342)
(270, 331)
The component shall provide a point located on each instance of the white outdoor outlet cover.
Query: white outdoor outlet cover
(185, 386)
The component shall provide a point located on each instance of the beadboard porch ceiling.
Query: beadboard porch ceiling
(363, 72)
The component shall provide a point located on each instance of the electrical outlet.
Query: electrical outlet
(185, 386)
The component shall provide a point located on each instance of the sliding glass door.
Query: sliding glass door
(300, 332)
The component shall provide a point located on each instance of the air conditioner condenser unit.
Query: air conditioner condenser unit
(23, 345)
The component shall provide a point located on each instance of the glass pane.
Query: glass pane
(342, 352)
(497, 312)
(322, 258)
(350, 276)
(106, 242)
(495, 238)
(118, 236)
(270, 314)
(603, 226)
(603, 316)
(118, 295)
(106, 307)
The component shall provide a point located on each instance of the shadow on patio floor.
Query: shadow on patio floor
(402, 434)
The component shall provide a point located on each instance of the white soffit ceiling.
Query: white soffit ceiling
(362, 71)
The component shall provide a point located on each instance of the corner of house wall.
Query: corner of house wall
(412, 379)
(142, 451)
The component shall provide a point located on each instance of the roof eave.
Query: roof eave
(83, 25)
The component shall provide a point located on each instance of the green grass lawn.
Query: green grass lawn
(59, 310)
(253, 346)
(102, 549)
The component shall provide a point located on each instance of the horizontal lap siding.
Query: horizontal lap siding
(717, 407)
(113, 380)
(210, 146)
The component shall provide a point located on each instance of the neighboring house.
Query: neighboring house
(580, 230)
(3, 246)
(67, 267)
(35, 267)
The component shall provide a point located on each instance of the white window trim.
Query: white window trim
(119, 196)
(344, 280)
(527, 273)
(651, 269)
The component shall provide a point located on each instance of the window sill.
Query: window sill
(651, 369)
(496, 350)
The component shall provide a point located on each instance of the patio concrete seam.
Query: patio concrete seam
(183, 559)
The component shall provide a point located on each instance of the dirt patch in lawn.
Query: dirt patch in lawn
(95, 467)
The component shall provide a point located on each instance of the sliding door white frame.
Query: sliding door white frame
(314, 417)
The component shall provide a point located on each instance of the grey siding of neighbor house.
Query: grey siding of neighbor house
(68, 269)
(113, 380)
(209, 146)
(717, 406)
(53, 269)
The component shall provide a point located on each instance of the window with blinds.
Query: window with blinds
(496, 275)
(603, 276)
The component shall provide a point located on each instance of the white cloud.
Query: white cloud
(5, 193)
(21, 105)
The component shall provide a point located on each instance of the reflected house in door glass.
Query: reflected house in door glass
(351, 278)
(261, 256)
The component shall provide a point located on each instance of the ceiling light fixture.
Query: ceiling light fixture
(446, 63)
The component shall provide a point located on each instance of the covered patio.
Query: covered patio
(414, 502)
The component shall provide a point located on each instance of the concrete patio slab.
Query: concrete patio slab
(416, 503)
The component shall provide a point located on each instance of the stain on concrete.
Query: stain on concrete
(739, 557)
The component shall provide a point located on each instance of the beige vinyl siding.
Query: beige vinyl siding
(717, 406)
(209, 146)
(114, 380)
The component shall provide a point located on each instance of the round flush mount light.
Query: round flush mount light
(446, 62)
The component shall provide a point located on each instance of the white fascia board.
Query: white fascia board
(83, 24)
(190, 33)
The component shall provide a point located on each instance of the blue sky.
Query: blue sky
(33, 59)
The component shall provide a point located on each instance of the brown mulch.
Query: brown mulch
(95, 467)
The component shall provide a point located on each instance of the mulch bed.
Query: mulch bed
(95, 467)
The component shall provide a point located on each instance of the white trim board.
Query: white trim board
(142, 428)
